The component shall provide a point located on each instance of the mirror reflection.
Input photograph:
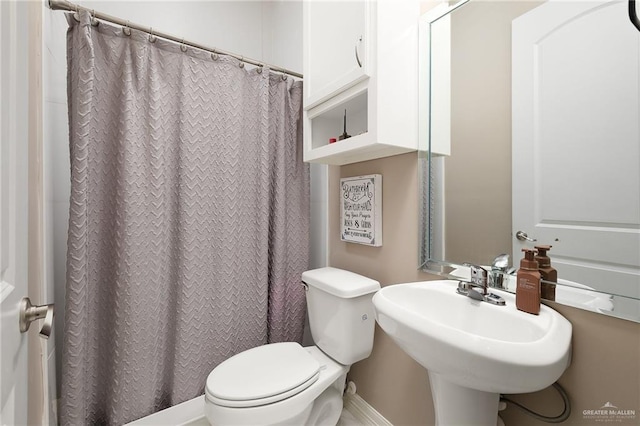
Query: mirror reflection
(539, 105)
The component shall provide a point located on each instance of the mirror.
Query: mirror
(533, 109)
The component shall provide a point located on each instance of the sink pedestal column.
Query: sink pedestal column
(457, 405)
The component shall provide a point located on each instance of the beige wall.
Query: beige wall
(389, 380)
(606, 351)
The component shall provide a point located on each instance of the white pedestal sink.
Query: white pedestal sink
(474, 351)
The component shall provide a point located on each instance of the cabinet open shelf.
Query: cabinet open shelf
(355, 149)
(328, 120)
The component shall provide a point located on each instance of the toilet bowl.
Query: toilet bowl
(280, 396)
(286, 384)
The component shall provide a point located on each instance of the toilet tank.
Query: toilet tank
(341, 314)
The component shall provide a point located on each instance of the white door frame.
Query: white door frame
(38, 402)
(22, 183)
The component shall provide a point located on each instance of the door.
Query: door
(336, 45)
(576, 141)
(16, 34)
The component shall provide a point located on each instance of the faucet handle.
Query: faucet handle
(501, 262)
(478, 275)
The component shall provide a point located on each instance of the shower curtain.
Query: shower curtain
(189, 220)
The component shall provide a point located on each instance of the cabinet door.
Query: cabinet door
(337, 41)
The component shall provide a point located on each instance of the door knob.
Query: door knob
(522, 236)
(30, 313)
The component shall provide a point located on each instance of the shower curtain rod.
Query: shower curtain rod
(72, 7)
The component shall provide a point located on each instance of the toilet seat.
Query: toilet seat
(262, 375)
(294, 410)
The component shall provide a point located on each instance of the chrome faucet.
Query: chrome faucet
(479, 281)
(499, 267)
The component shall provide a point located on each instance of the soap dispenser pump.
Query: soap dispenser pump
(548, 274)
(528, 284)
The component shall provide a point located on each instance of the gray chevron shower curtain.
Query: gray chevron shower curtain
(189, 220)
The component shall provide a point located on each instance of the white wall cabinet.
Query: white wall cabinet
(335, 54)
(378, 89)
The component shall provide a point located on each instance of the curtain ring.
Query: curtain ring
(94, 21)
(182, 46)
(283, 76)
(152, 38)
(76, 15)
(259, 70)
(214, 55)
(126, 30)
(241, 64)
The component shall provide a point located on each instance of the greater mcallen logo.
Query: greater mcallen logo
(609, 413)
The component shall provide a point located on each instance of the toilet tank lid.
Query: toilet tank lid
(339, 282)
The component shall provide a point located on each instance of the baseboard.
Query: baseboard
(364, 412)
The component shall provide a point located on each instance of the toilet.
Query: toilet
(287, 384)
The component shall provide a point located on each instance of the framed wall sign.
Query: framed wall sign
(361, 210)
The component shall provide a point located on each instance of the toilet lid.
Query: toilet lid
(262, 375)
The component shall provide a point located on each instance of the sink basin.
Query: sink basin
(473, 350)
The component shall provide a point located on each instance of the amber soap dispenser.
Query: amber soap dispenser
(528, 284)
(548, 274)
